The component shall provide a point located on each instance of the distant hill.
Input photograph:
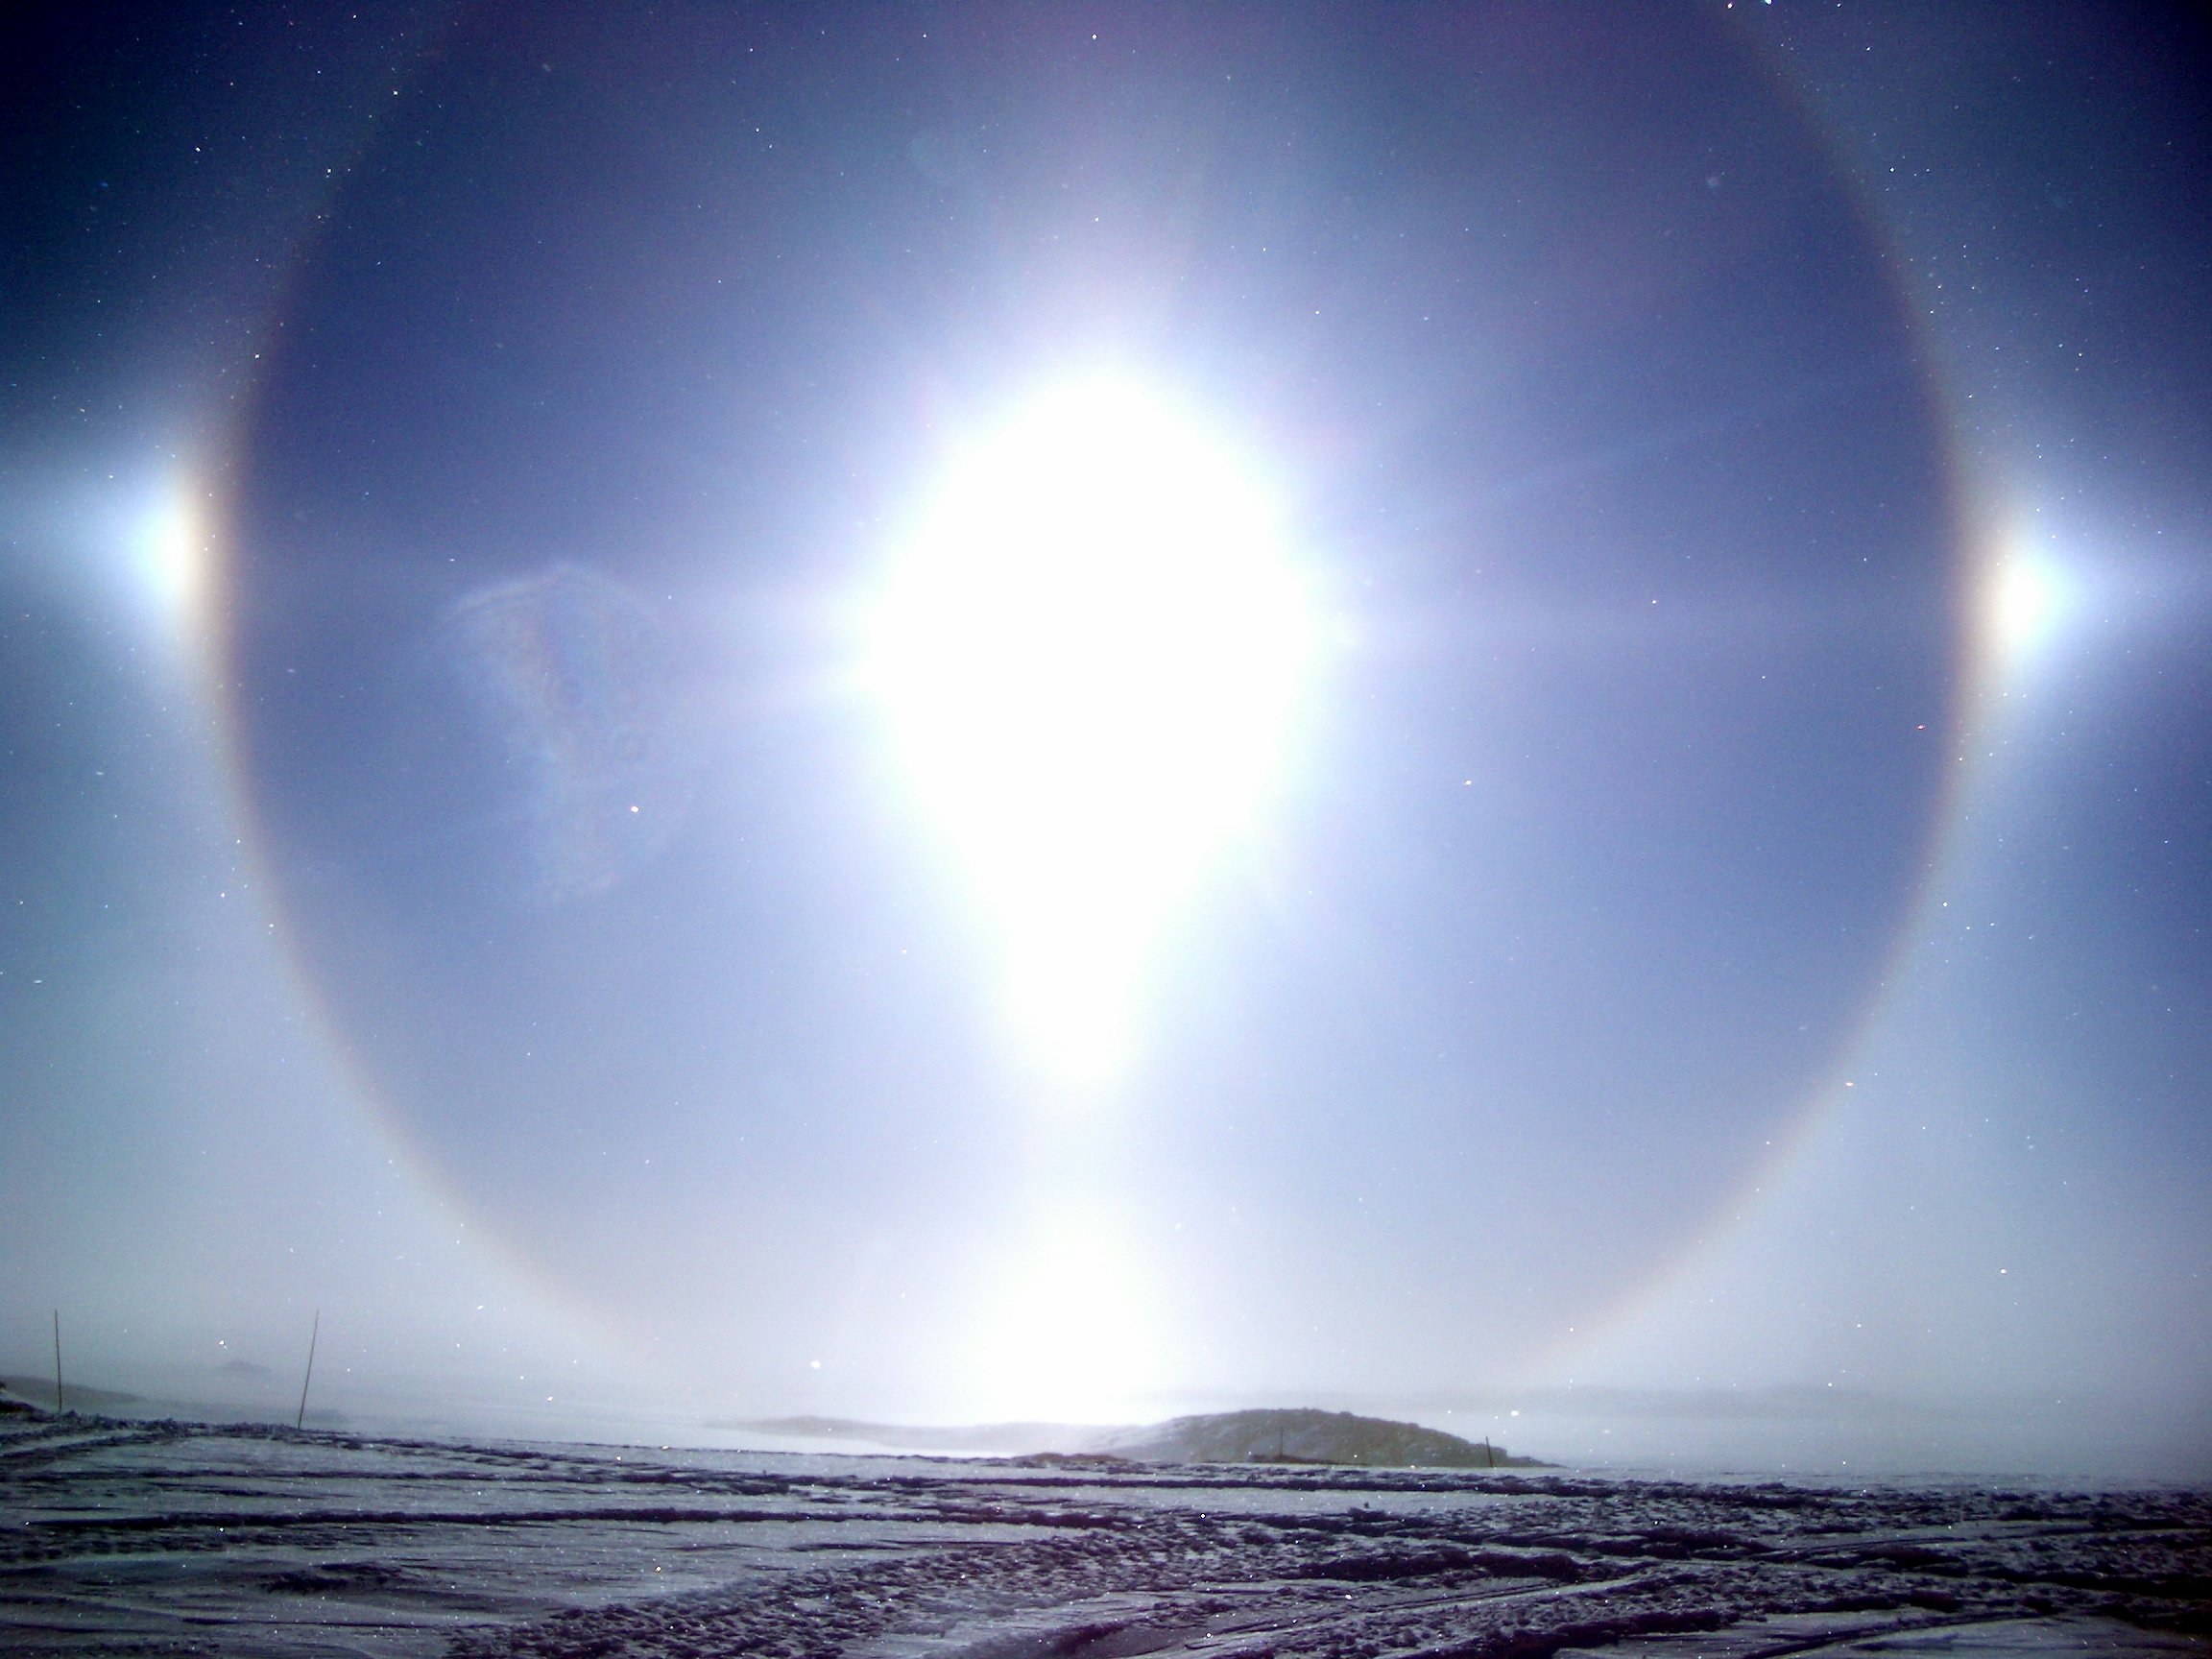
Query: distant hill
(1261, 1436)
(1307, 1436)
(39, 1391)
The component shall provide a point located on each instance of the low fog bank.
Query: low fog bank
(1819, 1431)
(1780, 1433)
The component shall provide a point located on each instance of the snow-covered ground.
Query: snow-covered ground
(167, 1538)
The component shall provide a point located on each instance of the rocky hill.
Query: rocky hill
(1306, 1436)
(1258, 1436)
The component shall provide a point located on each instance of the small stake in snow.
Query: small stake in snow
(56, 1361)
(313, 1331)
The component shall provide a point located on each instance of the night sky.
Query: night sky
(956, 714)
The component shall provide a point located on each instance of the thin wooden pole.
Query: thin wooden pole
(56, 1361)
(314, 1330)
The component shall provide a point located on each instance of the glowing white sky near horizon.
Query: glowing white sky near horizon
(1091, 655)
(1070, 1326)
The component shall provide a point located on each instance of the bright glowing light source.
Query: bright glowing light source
(1090, 654)
(168, 552)
(2024, 603)
(2027, 598)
